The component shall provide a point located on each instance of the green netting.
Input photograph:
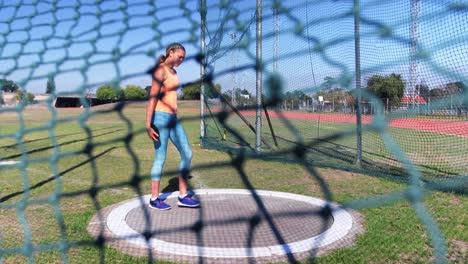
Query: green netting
(406, 80)
(314, 55)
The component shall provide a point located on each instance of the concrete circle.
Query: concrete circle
(231, 224)
(233, 221)
(8, 162)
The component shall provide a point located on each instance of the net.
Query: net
(376, 89)
(401, 67)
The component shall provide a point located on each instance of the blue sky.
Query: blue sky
(86, 45)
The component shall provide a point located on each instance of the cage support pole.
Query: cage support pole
(259, 70)
(357, 53)
(203, 11)
(267, 115)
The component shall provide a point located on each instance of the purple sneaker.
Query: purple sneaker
(188, 201)
(159, 204)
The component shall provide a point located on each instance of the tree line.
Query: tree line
(189, 91)
(9, 86)
(131, 92)
(389, 88)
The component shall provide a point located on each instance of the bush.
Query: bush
(108, 93)
(20, 95)
(30, 97)
(133, 92)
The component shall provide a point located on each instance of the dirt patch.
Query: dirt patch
(338, 175)
(458, 251)
(455, 201)
(411, 257)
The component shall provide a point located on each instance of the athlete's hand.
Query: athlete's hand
(153, 133)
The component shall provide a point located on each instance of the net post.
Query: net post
(202, 69)
(357, 54)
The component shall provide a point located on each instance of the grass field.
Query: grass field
(89, 160)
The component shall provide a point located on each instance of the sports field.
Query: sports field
(71, 163)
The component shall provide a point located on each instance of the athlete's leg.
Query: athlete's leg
(162, 121)
(179, 138)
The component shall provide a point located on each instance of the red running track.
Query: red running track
(451, 127)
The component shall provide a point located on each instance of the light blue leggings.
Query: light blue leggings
(170, 127)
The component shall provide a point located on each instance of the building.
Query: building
(60, 101)
(410, 100)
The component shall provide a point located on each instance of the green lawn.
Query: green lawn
(111, 153)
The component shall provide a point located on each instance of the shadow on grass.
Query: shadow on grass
(347, 155)
(48, 138)
(61, 144)
(319, 155)
(54, 177)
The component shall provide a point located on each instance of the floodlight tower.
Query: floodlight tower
(411, 91)
(234, 70)
(275, 44)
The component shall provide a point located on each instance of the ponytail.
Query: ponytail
(161, 59)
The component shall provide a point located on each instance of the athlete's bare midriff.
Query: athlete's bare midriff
(167, 101)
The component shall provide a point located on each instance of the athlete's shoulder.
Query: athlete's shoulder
(160, 72)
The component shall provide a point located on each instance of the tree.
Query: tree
(423, 90)
(329, 81)
(295, 98)
(338, 98)
(213, 94)
(134, 92)
(436, 93)
(296, 95)
(50, 87)
(453, 88)
(8, 86)
(461, 87)
(148, 90)
(20, 96)
(30, 97)
(227, 95)
(244, 97)
(391, 87)
(108, 93)
(192, 91)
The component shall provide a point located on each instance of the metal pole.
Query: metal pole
(259, 69)
(234, 72)
(357, 52)
(275, 43)
(414, 50)
(202, 69)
